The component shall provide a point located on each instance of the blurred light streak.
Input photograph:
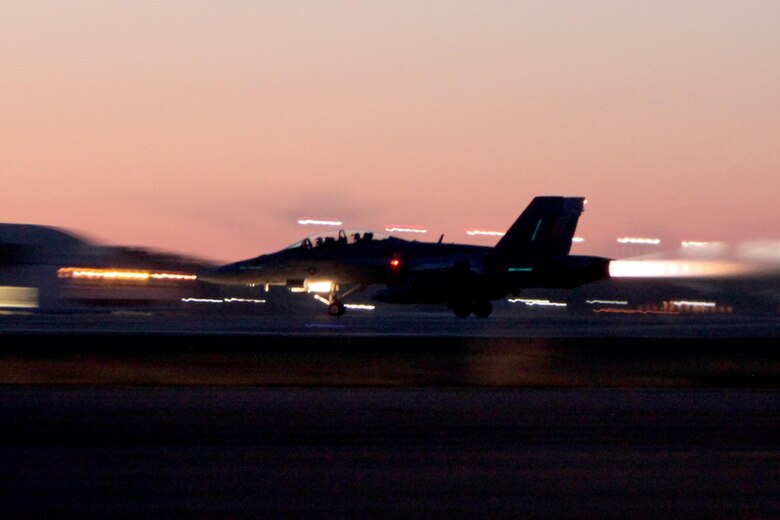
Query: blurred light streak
(606, 302)
(356, 306)
(479, 232)
(324, 326)
(319, 222)
(633, 311)
(688, 244)
(639, 240)
(686, 303)
(762, 250)
(578, 240)
(531, 302)
(102, 274)
(697, 307)
(118, 274)
(172, 276)
(225, 300)
(675, 268)
(321, 299)
(18, 297)
(700, 248)
(400, 229)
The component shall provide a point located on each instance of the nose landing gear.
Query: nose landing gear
(336, 309)
(333, 301)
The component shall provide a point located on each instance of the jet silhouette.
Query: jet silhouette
(534, 252)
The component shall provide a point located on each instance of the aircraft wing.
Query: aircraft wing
(445, 264)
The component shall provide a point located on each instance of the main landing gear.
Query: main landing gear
(463, 308)
(335, 307)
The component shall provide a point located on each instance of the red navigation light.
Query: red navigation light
(395, 263)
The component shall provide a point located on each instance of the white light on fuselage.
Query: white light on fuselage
(319, 287)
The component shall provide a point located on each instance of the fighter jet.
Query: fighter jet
(534, 252)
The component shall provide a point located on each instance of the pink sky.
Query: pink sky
(208, 128)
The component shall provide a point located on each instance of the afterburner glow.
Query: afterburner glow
(675, 268)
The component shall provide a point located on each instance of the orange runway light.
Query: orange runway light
(123, 275)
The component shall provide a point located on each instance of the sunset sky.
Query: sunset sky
(209, 128)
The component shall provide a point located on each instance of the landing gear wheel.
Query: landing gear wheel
(336, 309)
(461, 309)
(483, 309)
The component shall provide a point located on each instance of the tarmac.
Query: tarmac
(148, 414)
(432, 349)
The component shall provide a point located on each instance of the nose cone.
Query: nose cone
(218, 275)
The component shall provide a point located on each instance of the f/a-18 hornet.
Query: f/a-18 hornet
(534, 252)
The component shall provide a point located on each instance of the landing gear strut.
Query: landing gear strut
(335, 307)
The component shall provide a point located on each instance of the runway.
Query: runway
(399, 324)
(402, 350)
(154, 414)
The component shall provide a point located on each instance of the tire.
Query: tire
(336, 309)
(461, 309)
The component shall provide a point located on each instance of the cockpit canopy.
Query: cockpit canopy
(340, 237)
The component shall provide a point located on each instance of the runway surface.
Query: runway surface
(157, 414)
(200, 451)
(528, 324)
(428, 349)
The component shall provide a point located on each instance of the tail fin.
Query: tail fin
(545, 228)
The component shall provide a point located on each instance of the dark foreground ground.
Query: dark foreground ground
(332, 452)
(151, 416)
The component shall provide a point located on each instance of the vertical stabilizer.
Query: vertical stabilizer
(545, 228)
